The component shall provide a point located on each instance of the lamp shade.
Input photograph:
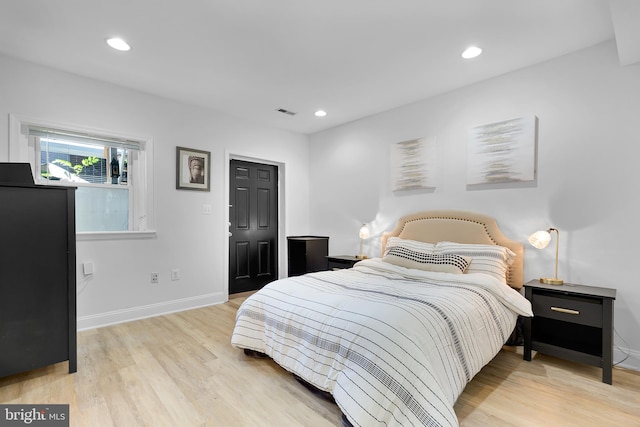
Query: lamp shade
(540, 239)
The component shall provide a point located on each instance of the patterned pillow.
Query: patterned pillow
(405, 257)
(488, 259)
(413, 245)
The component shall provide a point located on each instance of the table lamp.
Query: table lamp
(540, 240)
(364, 234)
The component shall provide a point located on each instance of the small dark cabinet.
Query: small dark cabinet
(307, 254)
(37, 277)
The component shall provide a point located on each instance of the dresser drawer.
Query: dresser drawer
(583, 311)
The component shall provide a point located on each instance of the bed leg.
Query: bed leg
(313, 389)
(256, 354)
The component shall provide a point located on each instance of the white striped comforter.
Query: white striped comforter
(394, 346)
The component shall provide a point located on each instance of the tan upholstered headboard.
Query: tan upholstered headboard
(462, 227)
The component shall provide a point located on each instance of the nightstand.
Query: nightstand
(338, 262)
(573, 322)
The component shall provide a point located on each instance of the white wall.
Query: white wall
(120, 288)
(588, 108)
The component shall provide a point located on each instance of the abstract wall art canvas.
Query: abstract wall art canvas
(413, 164)
(502, 152)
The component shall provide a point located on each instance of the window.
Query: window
(109, 171)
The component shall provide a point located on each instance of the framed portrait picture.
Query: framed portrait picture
(193, 169)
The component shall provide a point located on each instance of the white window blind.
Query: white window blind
(104, 170)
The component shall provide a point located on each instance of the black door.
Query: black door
(253, 217)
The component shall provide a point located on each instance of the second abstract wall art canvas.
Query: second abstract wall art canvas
(502, 152)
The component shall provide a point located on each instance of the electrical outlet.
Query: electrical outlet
(155, 277)
(175, 274)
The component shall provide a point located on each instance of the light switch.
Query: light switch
(206, 209)
(87, 268)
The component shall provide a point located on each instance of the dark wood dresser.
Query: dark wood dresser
(37, 277)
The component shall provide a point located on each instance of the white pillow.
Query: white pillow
(413, 245)
(487, 259)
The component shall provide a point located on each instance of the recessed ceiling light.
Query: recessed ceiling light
(320, 113)
(118, 44)
(471, 52)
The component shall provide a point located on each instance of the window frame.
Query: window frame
(22, 149)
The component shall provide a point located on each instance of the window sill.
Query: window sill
(115, 235)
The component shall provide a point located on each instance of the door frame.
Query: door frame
(282, 223)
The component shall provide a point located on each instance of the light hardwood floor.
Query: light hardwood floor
(180, 370)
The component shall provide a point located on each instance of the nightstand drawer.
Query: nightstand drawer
(583, 311)
(338, 262)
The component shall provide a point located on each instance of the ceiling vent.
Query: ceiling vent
(283, 111)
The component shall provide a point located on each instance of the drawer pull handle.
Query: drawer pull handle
(565, 310)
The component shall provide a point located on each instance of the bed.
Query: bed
(395, 339)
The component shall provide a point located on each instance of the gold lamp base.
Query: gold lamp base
(551, 281)
(361, 256)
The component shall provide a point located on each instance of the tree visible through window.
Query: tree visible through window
(75, 162)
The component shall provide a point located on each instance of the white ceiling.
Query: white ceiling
(353, 58)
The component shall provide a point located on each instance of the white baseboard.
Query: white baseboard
(135, 313)
(626, 358)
